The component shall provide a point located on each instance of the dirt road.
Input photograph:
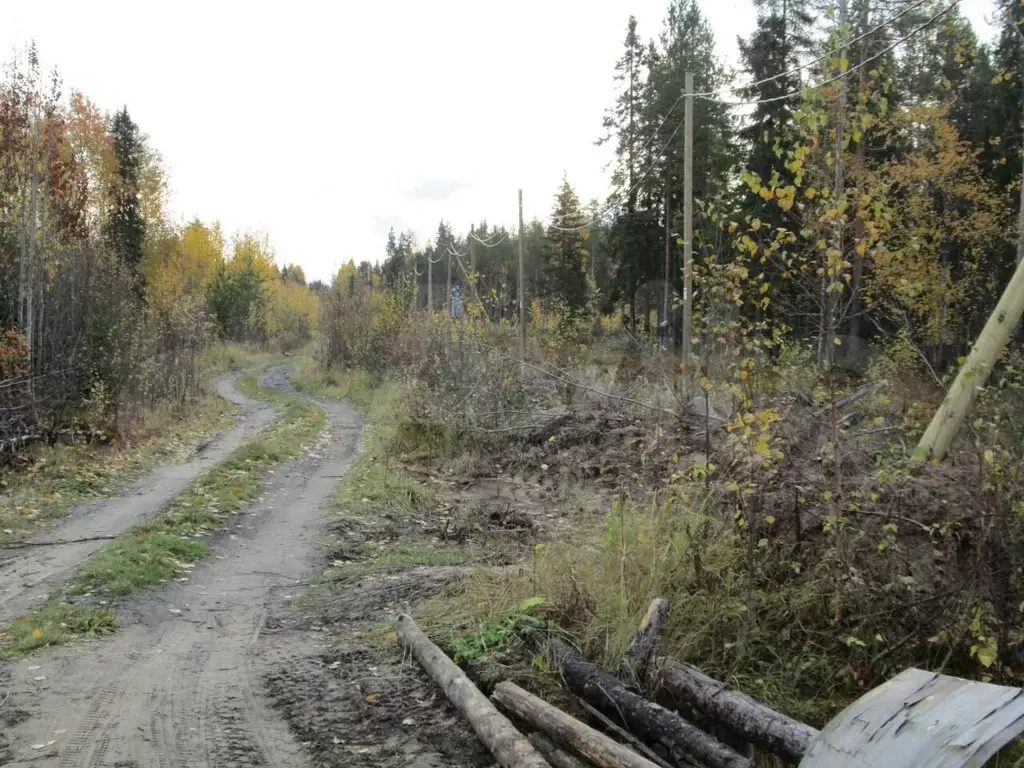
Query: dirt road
(179, 685)
(28, 575)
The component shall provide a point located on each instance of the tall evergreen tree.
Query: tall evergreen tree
(688, 45)
(632, 242)
(624, 120)
(125, 224)
(769, 56)
(567, 265)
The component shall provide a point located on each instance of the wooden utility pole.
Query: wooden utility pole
(448, 293)
(986, 351)
(522, 285)
(832, 285)
(430, 284)
(688, 222)
(664, 325)
(472, 249)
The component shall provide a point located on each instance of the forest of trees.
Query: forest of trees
(863, 169)
(864, 165)
(104, 300)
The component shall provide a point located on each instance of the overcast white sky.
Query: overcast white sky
(325, 123)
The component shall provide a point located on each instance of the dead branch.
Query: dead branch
(624, 735)
(637, 660)
(55, 543)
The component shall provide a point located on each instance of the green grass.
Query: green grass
(137, 559)
(158, 551)
(371, 488)
(54, 624)
(412, 555)
(364, 392)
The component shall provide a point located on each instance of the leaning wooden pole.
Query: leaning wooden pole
(510, 748)
(973, 373)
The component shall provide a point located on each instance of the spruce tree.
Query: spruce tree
(568, 259)
(769, 57)
(623, 122)
(125, 224)
(688, 45)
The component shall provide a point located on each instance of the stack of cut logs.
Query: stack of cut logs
(646, 734)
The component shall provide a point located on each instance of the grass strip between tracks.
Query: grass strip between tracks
(169, 545)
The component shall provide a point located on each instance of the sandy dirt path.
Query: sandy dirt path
(180, 684)
(27, 575)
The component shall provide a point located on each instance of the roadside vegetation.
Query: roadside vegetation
(46, 482)
(778, 506)
(766, 480)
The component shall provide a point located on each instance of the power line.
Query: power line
(826, 56)
(598, 216)
(841, 75)
(487, 245)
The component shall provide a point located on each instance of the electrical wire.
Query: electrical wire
(601, 214)
(487, 245)
(849, 71)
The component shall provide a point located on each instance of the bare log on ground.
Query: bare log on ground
(636, 663)
(685, 742)
(761, 725)
(555, 755)
(599, 749)
(510, 748)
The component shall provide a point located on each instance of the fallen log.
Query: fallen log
(761, 725)
(685, 742)
(599, 749)
(510, 748)
(557, 757)
(636, 662)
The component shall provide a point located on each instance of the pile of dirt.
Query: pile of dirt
(605, 448)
